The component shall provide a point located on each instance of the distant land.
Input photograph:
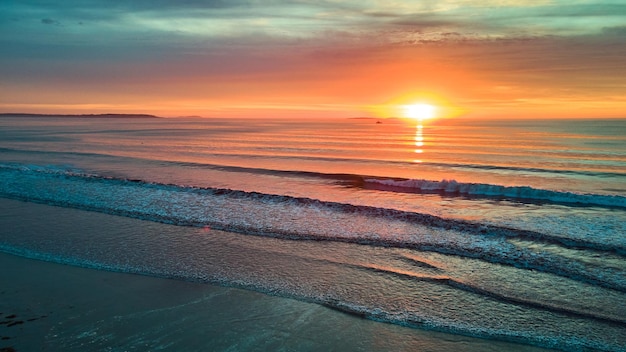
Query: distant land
(111, 116)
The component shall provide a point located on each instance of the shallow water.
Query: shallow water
(67, 308)
(511, 231)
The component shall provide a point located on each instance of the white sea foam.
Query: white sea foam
(454, 187)
(299, 218)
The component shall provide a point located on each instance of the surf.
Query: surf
(301, 218)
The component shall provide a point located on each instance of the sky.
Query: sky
(323, 58)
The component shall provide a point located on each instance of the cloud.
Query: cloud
(50, 21)
(238, 19)
(320, 48)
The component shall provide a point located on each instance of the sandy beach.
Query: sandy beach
(53, 307)
(440, 176)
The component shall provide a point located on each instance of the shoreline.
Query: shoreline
(50, 306)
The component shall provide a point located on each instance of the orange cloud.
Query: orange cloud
(352, 60)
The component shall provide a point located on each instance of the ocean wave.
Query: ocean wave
(387, 312)
(300, 218)
(452, 187)
(285, 202)
(521, 301)
(352, 160)
(444, 187)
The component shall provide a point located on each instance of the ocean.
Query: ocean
(504, 230)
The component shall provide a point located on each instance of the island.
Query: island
(141, 116)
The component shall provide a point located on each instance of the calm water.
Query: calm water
(500, 230)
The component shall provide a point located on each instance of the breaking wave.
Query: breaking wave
(471, 245)
(452, 187)
(299, 218)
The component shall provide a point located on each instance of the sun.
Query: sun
(420, 111)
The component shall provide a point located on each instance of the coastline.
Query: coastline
(106, 116)
(59, 307)
(49, 306)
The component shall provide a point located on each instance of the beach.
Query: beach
(54, 307)
(46, 306)
(197, 234)
(437, 176)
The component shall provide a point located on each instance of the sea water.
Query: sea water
(508, 230)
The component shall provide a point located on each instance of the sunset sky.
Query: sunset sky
(229, 58)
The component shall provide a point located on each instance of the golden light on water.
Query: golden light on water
(419, 141)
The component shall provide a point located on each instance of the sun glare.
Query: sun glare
(420, 111)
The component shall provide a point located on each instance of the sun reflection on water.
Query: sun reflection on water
(419, 141)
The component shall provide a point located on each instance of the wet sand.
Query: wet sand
(47, 306)
(52, 307)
